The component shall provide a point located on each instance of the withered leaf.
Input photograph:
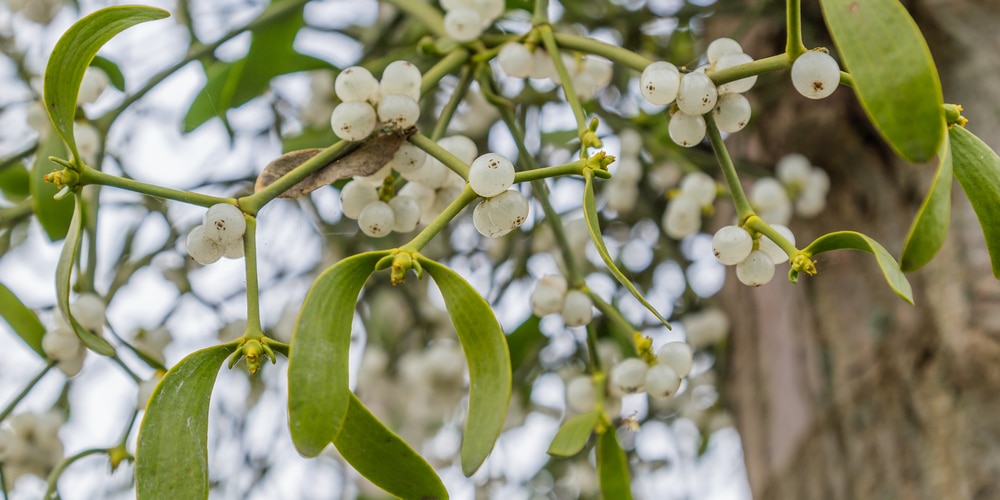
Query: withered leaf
(366, 159)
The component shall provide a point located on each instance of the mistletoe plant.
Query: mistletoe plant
(396, 177)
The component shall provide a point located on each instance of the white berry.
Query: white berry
(202, 249)
(464, 24)
(732, 112)
(224, 224)
(793, 169)
(731, 245)
(95, 80)
(407, 158)
(686, 130)
(461, 146)
(401, 77)
(398, 111)
(491, 174)
(756, 270)
(700, 187)
(377, 219)
(580, 394)
(355, 84)
(721, 47)
(406, 213)
(676, 355)
(630, 375)
(355, 196)
(697, 94)
(515, 59)
(578, 308)
(659, 83)
(682, 217)
(495, 217)
(353, 121)
(662, 381)
(815, 75)
(549, 295)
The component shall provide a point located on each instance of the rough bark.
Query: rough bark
(841, 390)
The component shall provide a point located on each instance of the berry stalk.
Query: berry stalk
(743, 208)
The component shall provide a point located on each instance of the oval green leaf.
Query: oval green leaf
(74, 52)
(318, 391)
(171, 459)
(856, 241)
(486, 351)
(930, 226)
(22, 320)
(64, 276)
(53, 215)
(573, 434)
(894, 75)
(594, 227)
(15, 181)
(612, 467)
(384, 458)
(977, 168)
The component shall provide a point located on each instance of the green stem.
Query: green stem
(24, 392)
(541, 193)
(615, 53)
(743, 208)
(567, 84)
(595, 360)
(16, 212)
(616, 318)
(253, 291)
(251, 204)
(793, 21)
(128, 371)
(441, 154)
(452, 105)
(445, 66)
(540, 13)
(767, 64)
(423, 12)
(441, 221)
(50, 491)
(91, 176)
(572, 168)
(757, 224)
(276, 11)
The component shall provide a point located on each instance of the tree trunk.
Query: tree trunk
(841, 390)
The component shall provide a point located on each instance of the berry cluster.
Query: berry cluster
(695, 195)
(430, 187)
(465, 20)
(800, 187)
(695, 94)
(589, 73)
(754, 258)
(61, 343)
(395, 99)
(660, 379)
(220, 235)
(31, 445)
(551, 296)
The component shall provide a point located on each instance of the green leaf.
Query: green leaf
(73, 53)
(271, 54)
(15, 182)
(930, 226)
(22, 320)
(53, 215)
(172, 451)
(857, 241)
(485, 348)
(977, 168)
(612, 467)
(573, 434)
(111, 69)
(64, 275)
(525, 342)
(593, 225)
(384, 458)
(318, 391)
(894, 74)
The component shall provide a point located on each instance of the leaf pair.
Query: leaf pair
(322, 409)
(612, 464)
